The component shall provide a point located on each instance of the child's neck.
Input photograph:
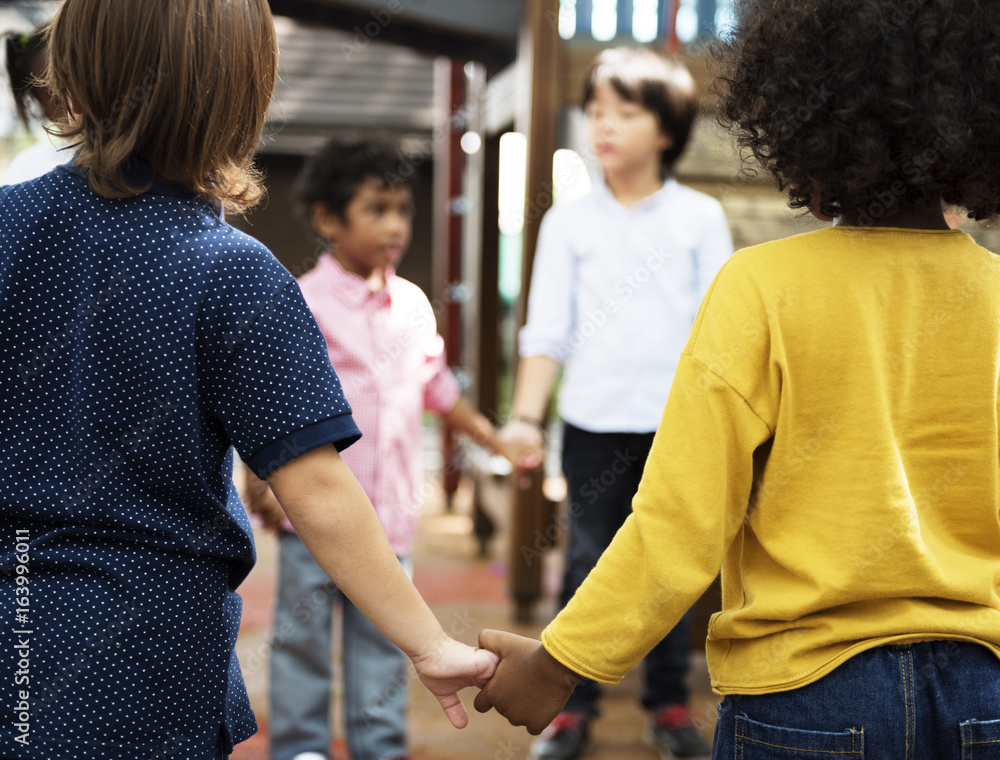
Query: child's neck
(910, 218)
(374, 277)
(376, 281)
(631, 188)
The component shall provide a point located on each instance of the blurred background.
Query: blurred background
(485, 96)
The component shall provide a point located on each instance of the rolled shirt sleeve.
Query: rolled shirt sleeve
(441, 390)
(550, 323)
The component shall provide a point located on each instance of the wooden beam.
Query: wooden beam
(452, 328)
(488, 287)
(541, 52)
(540, 56)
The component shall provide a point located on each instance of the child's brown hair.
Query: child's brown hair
(658, 83)
(184, 84)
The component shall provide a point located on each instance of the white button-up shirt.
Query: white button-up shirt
(614, 293)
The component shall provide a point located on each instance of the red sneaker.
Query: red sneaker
(674, 735)
(564, 739)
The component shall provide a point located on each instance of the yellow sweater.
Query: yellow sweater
(831, 442)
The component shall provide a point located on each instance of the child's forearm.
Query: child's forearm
(337, 523)
(465, 418)
(260, 501)
(536, 376)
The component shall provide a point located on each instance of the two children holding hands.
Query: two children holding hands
(830, 438)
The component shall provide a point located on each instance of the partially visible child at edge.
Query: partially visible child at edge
(831, 438)
(26, 59)
(617, 281)
(142, 339)
(381, 336)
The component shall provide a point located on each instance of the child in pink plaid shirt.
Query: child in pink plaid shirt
(382, 338)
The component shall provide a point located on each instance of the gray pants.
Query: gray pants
(375, 675)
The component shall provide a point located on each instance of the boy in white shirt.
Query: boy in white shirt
(616, 285)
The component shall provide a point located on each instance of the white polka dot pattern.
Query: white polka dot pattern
(139, 340)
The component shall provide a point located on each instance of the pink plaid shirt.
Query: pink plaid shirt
(391, 363)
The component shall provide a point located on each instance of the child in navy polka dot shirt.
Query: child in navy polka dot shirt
(143, 338)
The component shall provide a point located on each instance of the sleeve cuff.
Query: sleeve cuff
(530, 345)
(443, 393)
(341, 431)
(560, 654)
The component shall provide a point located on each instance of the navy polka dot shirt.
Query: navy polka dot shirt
(140, 340)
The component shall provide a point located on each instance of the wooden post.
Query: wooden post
(487, 302)
(539, 57)
(457, 91)
(487, 289)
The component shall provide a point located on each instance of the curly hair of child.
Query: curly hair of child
(863, 108)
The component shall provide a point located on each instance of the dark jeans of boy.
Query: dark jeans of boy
(933, 700)
(602, 472)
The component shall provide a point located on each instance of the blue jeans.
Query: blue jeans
(375, 676)
(935, 700)
(602, 472)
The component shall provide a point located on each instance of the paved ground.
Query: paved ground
(468, 594)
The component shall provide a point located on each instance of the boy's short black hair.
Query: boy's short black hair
(658, 83)
(336, 172)
(868, 106)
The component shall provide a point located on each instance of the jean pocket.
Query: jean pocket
(759, 741)
(980, 739)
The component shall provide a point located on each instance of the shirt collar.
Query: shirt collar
(352, 287)
(605, 195)
(138, 173)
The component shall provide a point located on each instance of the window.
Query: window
(643, 21)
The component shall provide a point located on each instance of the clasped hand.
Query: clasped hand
(529, 687)
(518, 678)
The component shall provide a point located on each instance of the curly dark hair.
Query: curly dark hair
(336, 172)
(868, 106)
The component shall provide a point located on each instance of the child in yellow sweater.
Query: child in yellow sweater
(831, 437)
